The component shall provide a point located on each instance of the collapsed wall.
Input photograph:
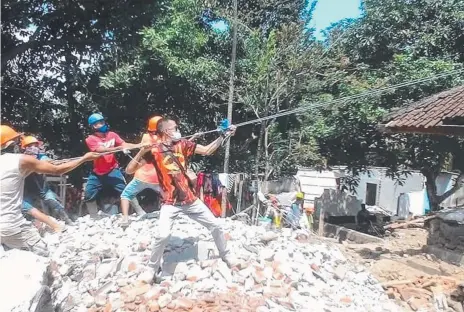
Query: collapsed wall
(446, 235)
(97, 266)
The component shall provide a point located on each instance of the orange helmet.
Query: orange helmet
(7, 134)
(153, 123)
(28, 140)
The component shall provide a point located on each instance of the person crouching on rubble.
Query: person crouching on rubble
(170, 159)
(145, 175)
(37, 188)
(15, 230)
(106, 171)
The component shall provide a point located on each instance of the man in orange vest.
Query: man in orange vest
(145, 175)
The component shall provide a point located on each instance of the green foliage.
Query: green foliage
(132, 60)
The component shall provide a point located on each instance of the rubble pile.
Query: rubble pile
(99, 266)
(428, 292)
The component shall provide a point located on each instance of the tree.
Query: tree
(393, 42)
(51, 56)
(275, 76)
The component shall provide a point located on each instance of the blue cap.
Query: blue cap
(94, 118)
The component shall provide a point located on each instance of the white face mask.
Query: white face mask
(176, 136)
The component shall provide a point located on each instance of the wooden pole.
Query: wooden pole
(230, 103)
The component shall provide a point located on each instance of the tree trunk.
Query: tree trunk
(74, 132)
(431, 186)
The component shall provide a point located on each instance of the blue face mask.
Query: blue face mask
(103, 129)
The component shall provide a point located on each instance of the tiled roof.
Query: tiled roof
(434, 111)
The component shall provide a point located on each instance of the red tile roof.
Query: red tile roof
(434, 111)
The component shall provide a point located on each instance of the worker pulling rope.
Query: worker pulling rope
(225, 124)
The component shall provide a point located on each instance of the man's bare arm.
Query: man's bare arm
(102, 149)
(126, 145)
(210, 148)
(136, 162)
(30, 164)
(213, 146)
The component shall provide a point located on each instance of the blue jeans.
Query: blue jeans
(136, 186)
(95, 183)
(49, 198)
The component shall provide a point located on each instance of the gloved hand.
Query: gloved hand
(231, 130)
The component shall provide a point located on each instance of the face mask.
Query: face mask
(103, 129)
(32, 150)
(176, 136)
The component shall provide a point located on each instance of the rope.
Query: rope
(340, 100)
(306, 108)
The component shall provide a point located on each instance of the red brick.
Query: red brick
(132, 267)
(184, 303)
(315, 267)
(259, 277)
(166, 284)
(130, 306)
(153, 306)
(346, 300)
(142, 289)
(108, 308)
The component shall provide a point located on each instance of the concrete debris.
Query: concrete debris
(23, 277)
(99, 266)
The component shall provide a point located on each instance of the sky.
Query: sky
(331, 11)
(326, 13)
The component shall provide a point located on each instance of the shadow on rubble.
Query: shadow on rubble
(179, 250)
(377, 253)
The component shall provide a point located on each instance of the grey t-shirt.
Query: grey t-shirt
(11, 194)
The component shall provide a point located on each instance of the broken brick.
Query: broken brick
(346, 300)
(132, 267)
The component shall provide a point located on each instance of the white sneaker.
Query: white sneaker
(124, 222)
(231, 261)
(150, 276)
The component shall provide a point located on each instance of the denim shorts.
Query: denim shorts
(136, 186)
(29, 201)
(114, 179)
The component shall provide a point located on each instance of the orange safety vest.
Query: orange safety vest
(147, 173)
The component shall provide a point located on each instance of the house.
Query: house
(439, 114)
(375, 188)
(442, 113)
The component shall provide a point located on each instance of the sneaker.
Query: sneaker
(231, 261)
(149, 276)
(124, 222)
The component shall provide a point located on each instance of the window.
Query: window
(371, 194)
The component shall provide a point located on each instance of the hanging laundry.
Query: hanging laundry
(210, 188)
